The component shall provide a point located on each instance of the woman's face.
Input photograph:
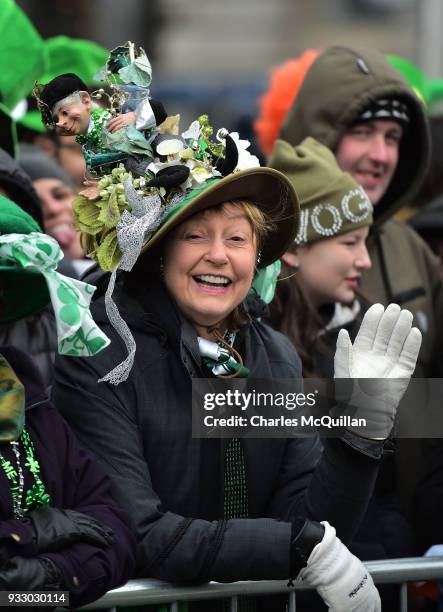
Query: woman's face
(56, 199)
(330, 270)
(209, 264)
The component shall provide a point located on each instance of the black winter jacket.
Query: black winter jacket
(172, 484)
(74, 480)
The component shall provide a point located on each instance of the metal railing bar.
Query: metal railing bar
(404, 597)
(292, 604)
(233, 604)
(139, 592)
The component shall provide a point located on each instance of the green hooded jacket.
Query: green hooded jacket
(338, 87)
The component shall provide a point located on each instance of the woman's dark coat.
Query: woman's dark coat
(171, 483)
(74, 480)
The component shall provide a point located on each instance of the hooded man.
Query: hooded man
(358, 105)
(354, 102)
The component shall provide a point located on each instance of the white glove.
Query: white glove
(341, 580)
(385, 350)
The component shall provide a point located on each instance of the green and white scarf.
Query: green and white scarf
(77, 333)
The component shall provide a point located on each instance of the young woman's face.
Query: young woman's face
(56, 199)
(330, 270)
(209, 263)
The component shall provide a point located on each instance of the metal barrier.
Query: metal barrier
(140, 592)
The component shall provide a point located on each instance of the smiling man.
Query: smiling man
(353, 101)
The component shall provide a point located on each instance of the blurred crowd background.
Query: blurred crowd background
(215, 57)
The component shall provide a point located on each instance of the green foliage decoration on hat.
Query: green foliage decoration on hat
(22, 53)
(97, 217)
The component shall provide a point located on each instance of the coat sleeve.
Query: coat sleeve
(88, 571)
(169, 546)
(188, 549)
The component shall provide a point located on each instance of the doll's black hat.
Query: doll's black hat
(60, 87)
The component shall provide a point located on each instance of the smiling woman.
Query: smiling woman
(210, 262)
(182, 262)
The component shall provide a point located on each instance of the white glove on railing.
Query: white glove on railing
(385, 350)
(341, 580)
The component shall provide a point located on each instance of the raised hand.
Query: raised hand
(385, 351)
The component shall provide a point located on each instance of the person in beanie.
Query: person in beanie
(60, 529)
(357, 104)
(56, 192)
(318, 295)
(377, 128)
(178, 307)
(34, 333)
(17, 185)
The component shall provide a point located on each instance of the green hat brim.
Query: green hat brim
(22, 293)
(33, 121)
(269, 189)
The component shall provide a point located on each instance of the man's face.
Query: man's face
(369, 152)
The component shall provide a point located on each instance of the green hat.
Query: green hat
(123, 216)
(22, 291)
(263, 186)
(124, 202)
(331, 201)
(22, 52)
(429, 90)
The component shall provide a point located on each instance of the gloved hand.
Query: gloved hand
(385, 350)
(54, 529)
(36, 574)
(341, 580)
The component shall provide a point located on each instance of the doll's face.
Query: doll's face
(73, 119)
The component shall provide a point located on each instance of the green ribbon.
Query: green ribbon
(219, 360)
(265, 281)
(77, 333)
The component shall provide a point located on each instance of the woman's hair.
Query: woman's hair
(293, 314)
